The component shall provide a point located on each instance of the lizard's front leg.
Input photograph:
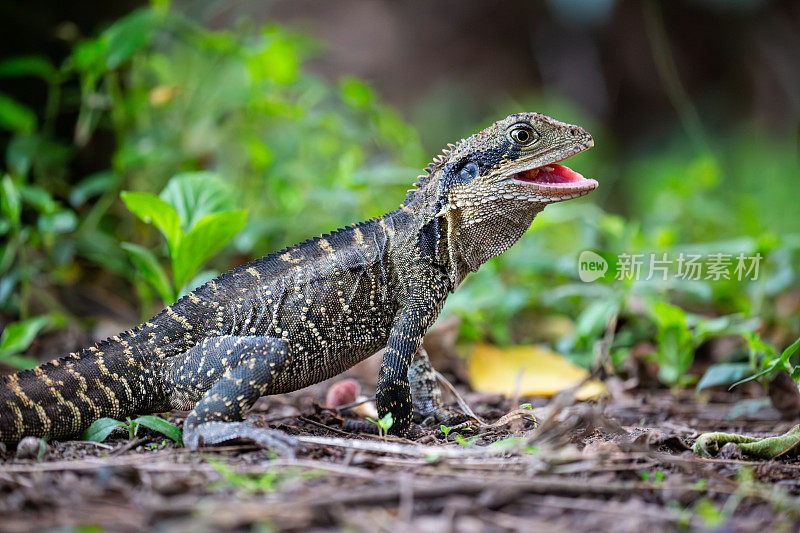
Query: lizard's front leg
(394, 390)
(228, 373)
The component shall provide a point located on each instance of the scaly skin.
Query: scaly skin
(309, 312)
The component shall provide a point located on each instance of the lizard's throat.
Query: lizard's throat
(472, 244)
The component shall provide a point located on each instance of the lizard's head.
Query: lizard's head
(512, 164)
(490, 186)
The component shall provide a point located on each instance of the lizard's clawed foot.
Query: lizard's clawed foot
(211, 433)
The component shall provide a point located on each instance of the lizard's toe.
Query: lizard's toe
(212, 433)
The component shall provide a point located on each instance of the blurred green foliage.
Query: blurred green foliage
(17, 337)
(237, 121)
(302, 155)
(194, 214)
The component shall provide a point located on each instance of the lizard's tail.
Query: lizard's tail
(62, 398)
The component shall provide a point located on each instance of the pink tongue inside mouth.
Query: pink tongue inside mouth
(552, 174)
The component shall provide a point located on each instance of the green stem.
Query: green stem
(52, 105)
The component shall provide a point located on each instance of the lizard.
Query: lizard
(308, 312)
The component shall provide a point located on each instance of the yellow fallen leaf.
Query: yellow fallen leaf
(544, 372)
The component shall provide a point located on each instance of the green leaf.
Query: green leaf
(152, 209)
(195, 195)
(723, 326)
(208, 236)
(58, 223)
(19, 335)
(789, 351)
(24, 150)
(747, 407)
(129, 35)
(10, 203)
(37, 66)
(386, 422)
(755, 343)
(200, 278)
(162, 426)
(593, 320)
(712, 515)
(15, 116)
(8, 280)
(39, 198)
(148, 266)
(88, 55)
(779, 363)
(356, 93)
(92, 185)
(668, 315)
(22, 362)
(723, 374)
(775, 365)
(464, 442)
(101, 429)
(277, 61)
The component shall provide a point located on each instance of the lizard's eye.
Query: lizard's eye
(469, 172)
(522, 135)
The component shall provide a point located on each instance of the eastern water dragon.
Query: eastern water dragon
(309, 312)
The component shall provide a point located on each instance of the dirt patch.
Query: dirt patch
(621, 465)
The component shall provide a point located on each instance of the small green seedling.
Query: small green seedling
(679, 334)
(384, 424)
(514, 444)
(464, 442)
(526, 406)
(259, 481)
(102, 428)
(264, 482)
(772, 362)
(446, 430)
(655, 477)
(764, 363)
(710, 513)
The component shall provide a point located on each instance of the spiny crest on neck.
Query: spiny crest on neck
(437, 163)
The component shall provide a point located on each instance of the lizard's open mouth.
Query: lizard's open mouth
(557, 180)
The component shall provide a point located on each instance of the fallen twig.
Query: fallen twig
(397, 448)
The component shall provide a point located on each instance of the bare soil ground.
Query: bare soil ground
(618, 465)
